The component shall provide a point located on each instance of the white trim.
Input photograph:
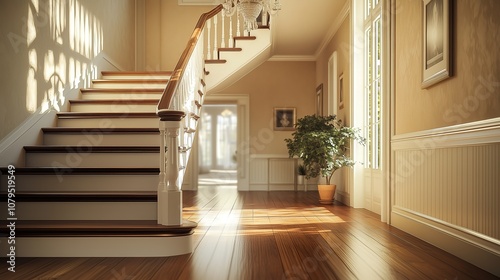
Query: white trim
(480, 132)
(252, 156)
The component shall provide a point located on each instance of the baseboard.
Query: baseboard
(28, 133)
(479, 250)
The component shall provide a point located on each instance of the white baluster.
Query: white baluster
(162, 186)
(215, 38)
(238, 23)
(223, 29)
(209, 52)
(231, 40)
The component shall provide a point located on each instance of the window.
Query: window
(373, 83)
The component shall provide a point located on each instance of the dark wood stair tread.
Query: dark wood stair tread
(244, 37)
(73, 228)
(215, 61)
(79, 130)
(79, 115)
(230, 49)
(109, 196)
(91, 149)
(131, 81)
(114, 101)
(83, 171)
(125, 73)
(122, 90)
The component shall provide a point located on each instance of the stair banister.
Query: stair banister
(178, 105)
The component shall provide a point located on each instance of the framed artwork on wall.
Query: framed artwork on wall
(436, 57)
(319, 100)
(284, 118)
(341, 91)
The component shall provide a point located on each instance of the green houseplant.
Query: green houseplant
(322, 142)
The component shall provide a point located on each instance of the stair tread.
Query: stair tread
(230, 49)
(107, 114)
(121, 90)
(80, 130)
(84, 196)
(49, 228)
(132, 81)
(114, 101)
(91, 149)
(136, 72)
(244, 37)
(84, 170)
(215, 61)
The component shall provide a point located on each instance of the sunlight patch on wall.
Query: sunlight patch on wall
(62, 61)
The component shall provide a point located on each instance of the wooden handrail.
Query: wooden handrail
(173, 83)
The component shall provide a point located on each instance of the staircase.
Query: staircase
(91, 188)
(105, 182)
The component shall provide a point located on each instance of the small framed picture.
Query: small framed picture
(284, 118)
(436, 58)
(341, 91)
(319, 100)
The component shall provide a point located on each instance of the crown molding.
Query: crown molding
(346, 9)
(292, 58)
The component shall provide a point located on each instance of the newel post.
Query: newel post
(169, 192)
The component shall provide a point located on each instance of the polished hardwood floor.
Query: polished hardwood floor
(271, 235)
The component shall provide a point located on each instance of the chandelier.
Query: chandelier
(251, 9)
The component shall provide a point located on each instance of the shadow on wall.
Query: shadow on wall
(51, 45)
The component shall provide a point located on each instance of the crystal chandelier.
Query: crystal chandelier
(251, 9)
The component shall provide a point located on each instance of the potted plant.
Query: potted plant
(301, 173)
(322, 143)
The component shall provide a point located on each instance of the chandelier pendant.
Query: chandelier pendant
(251, 9)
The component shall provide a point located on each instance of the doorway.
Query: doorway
(217, 146)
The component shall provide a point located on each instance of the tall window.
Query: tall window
(373, 83)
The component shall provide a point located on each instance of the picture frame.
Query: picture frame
(436, 51)
(341, 91)
(284, 118)
(319, 100)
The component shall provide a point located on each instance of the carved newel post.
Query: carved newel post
(169, 192)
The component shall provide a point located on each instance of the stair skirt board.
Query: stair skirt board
(108, 246)
(84, 210)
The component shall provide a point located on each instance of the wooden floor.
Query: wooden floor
(271, 235)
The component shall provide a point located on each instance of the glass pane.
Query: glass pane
(368, 8)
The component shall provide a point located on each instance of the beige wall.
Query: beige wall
(168, 29)
(46, 49)
(275, 84)
(341, 44)
(473, 92)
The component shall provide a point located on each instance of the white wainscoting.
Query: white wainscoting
(446, 189)
(272, 173)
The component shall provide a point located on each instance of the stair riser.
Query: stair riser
(85, 158)
(67, 182)
(121, 96)
(83, 210)
(159, 86)
(101, 139)
(117, 107)
(100, 246)
(110, 122)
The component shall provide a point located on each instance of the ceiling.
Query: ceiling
(303, 27)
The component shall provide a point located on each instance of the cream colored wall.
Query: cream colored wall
(275, 84)
(340, 43)
(47, 48)
(473, 92)
(168, 28)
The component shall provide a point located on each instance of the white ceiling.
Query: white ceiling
(303, 27)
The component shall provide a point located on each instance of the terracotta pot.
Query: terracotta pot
(326, 193)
